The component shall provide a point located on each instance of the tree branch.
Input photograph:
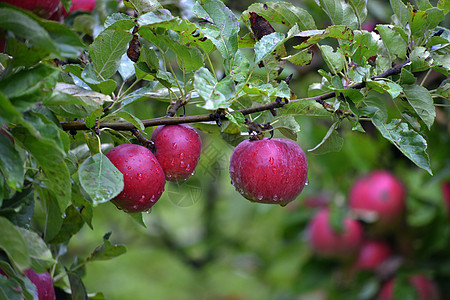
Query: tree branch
(171, 120)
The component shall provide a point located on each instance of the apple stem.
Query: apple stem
(142, 140)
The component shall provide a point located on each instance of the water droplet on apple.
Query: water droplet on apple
(181, 155)
(182, 164)
(142, 200)
(193, 172)
(148, 211)
(271, 160)
(126, 160)
(274, 170)
(287, 180)
(260, 197)
(139, 177)
(174, 146)
(307, 182)
(129, 168)
(275, 198)
(172, 162)
(135, 207)
(169, 175)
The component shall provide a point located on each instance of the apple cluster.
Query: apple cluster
(376, 210)
(177, 150)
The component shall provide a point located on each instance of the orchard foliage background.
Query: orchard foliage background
(369, 91)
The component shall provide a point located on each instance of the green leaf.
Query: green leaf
(20, 208)
(392, 88)
(221, 26)
(11, 164)
(444, 90)
(401, 11)
(25, 27)
(332, 142)
(53, 216)
(106, 51)
(407, 77)
(78, 290)
(137, 217)
(339, 12)
(143, 6)
(89, 76)
(84, 23)
(132, 119)
(46, 146)
(364, 46)
(444, 5)
(216, 94)
(301, 58)
(374, 106)
(422, 102)
(40, 255)
(119, 21)
(419, 59)
(308, 107)
(423, 21)
(107, 251)
(409, 142)
(189, 58)
(283, 13)
(341, 32)
(288, 127)
(189, 33)
(240, 67)
(27, 86)
(360, 9)
(267, 44)
(10, 289)
(14, 245)
(72, 224)
(101, 180)
(396, 43)
(8, 114)
(335, 59)
(76, 101)
(237, 118)
(68, 41)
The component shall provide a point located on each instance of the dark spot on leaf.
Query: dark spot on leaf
(203, 39)
(265, 6)
(260, 26)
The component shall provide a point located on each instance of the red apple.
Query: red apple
(269, 170)
(43, 283)
(424, 287)
(43, 8)
(379, 193)
(327, 242)
(372, 254)
(177, 149)
(142, 175)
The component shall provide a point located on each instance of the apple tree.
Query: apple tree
(337, 109)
